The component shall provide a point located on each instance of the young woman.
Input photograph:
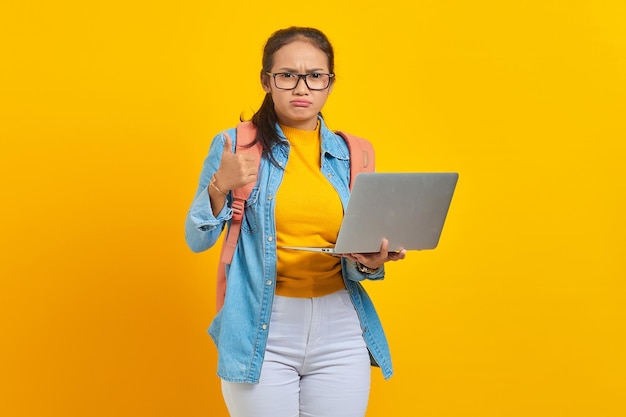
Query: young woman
(297, 333)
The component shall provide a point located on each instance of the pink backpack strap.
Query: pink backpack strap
(246, 133)
(361, 155)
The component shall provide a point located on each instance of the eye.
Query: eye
(315, 75)
(286, 75)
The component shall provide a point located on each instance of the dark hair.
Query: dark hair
(265, 118)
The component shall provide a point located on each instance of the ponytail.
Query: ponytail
(265, 120)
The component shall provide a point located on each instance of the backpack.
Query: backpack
(361, 160)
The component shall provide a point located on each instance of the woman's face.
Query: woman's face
(298, 108)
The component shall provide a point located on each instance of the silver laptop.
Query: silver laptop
(409, 209)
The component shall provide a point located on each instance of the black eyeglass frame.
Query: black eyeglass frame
(301, 77)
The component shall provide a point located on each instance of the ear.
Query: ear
(265, 83)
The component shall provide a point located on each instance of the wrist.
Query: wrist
(212, 184)
(366, 269)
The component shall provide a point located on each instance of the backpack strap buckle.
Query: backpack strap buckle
(238, 206)
(228, 249)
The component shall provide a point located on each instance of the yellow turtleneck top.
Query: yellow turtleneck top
(308, 213)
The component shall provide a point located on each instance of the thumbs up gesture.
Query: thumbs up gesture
(236, 169)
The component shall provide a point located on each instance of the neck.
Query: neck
(300, 124)
(295, 135)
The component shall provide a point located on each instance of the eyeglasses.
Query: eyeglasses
(289, 80)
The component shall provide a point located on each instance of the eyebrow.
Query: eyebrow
(309, 71)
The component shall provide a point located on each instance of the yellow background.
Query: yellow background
(106, 113)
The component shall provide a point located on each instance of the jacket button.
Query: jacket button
(270, 238)
(264, 327)
(268, 282)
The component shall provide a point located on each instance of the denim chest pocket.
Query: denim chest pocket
(249, 223)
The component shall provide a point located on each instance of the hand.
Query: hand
(236, 169)
(376, 260)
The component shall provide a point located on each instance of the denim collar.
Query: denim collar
(332, 143)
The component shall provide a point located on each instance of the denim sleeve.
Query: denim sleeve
(353, 274)
(202, 228)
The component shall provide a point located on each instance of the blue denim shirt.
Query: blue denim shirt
(241, 327)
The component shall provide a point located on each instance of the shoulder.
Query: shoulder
(334, 144)
(235, 133)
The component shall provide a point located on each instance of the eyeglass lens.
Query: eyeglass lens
(289, 81)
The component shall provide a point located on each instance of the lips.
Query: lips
(300, 103)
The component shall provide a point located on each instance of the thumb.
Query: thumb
(384, 246)
(228, 144)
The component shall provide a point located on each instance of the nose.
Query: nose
(301, 87)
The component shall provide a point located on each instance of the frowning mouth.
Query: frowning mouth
(300, 103)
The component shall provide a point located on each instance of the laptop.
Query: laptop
(409, 209)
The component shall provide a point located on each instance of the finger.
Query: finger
(246, 157)
(228, 144)
(384, 247)
(357, 257)
(396, 256)
(369, 258)
(250, 166)
(250, 179)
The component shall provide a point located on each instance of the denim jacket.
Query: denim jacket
(240, 329)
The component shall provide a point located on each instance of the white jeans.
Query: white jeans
(316, 363)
